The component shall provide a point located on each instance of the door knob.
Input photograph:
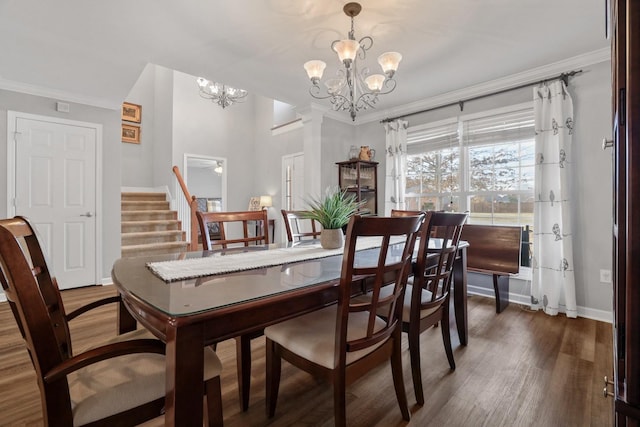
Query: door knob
(88, 214)
(607, 143)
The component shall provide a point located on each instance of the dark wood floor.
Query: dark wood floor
(519, 369)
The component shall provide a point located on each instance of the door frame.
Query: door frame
(12, 118)
(223, 175)
(286, 159)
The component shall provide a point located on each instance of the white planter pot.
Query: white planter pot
(331, 238)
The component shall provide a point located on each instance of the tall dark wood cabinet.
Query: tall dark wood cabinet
(625, 32)
(360, 178)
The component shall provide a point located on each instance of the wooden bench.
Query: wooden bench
(495, 250)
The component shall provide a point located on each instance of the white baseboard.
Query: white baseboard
(586, 312)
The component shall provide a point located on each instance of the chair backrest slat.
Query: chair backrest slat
(223, 219)
(434, 265)
(388, 265)
(299, 227)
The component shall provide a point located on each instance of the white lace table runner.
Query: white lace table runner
(219, 263)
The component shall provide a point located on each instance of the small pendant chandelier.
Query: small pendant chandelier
(219, 93)
(353, 89)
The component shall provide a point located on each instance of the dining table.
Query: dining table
(188, 301)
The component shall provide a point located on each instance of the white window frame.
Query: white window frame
(464, 193)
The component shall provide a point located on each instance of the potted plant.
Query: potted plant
(333, 212)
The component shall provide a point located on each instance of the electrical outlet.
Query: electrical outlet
(605, 276)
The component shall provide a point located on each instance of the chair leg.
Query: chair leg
(214, 402)
(339, 399)
(446, 339)
(274, 364)
(243, 364)
(416, 372)
(398, 379)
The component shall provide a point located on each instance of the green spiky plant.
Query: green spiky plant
(334, 209)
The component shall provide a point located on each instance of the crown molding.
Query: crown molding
(58, 95)
(514, 80)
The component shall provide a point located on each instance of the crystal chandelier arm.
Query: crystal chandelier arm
(338, 101)
(315, 92)
(365, 44)
(368, 99)
(389, 85)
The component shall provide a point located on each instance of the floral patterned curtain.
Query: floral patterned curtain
(553, 286)
(396, 149)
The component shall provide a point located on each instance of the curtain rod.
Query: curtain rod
(564, 77)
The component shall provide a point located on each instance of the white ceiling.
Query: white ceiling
(94, 50)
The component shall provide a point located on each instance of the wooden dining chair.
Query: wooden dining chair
(300, 227)
(343, 342)
(241, 220)
(119, 383)
(426, 300)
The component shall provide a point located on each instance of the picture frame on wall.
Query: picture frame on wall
(131, 134)
(131, 112)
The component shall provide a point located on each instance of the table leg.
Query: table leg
(185, 372)
(126, 322)
(460, 295)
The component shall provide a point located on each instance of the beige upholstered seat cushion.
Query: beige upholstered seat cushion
(312, 336)
(122, 383)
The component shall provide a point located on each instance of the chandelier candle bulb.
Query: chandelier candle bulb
(389, 62)
(374, 82)
(315, 68)
(347, 51)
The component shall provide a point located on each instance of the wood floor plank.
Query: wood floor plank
(520, 369)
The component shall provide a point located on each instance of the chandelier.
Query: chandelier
(220, 94)
(353, 89)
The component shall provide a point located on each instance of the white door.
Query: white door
(55, 188)
(293, 182)
(293, 187)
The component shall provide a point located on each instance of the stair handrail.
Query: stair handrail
(185, 190)
(193, 208)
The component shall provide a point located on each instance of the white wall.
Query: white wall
(337, 139)
(137, 159)
(111, 161)
(268, 152)
(204, 182)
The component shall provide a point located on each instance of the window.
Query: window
(481, 165)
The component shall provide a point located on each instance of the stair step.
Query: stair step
(141, 196)
(139, 238)
(144, 205)
(149, 215)
(148, 226)
(144, 226)
(154, 249)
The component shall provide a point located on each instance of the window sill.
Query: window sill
(526, 273)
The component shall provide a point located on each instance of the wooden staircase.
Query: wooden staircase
(149, 227)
